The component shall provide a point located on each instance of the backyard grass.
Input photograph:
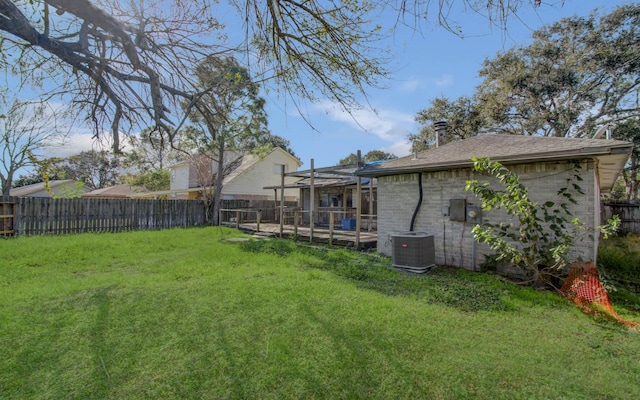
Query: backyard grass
(189, 313)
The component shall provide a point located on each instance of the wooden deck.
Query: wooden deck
(339, 237)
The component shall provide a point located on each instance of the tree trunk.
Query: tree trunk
(7, 182)
(6, 187)
(217, 194)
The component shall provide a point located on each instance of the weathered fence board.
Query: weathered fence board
(629, 213)
(38, 216)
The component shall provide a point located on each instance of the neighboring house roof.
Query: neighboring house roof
(38, 189)
(116, 191)
(511, 149)
(165, 192)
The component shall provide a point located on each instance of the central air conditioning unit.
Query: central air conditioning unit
(413, 251)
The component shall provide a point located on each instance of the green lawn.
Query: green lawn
(190, 314)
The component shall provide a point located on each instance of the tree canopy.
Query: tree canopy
(96, 169)
(371, 156)
(461, 115)
(229, 116)
(579, 74)
(149, 153)
(128, 65)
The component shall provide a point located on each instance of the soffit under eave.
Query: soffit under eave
(609, 168)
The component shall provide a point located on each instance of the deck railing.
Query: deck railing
(294, 218)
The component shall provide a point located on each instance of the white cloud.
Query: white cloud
(400, 149)
(387, 124)
(72, 144)
(410, 85)
(444, 80)
(77, 141)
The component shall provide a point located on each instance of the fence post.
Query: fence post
(258, 216)
(295, 224)
(312, 201)
(358, 211)
(237, 219)
(7, 219)
(330, 228)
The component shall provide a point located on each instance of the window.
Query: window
(277, 168)
(330, 200)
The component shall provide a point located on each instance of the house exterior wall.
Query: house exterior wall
(247, 184)
(179, 178)
(454, 244)
(264, 173)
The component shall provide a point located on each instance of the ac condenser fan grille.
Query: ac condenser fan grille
(413, 251)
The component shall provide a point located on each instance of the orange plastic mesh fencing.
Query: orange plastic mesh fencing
(584, 288)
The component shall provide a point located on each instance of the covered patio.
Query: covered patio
(332, 205)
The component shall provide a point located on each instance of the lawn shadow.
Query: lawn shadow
(99, 342)
(454, 287)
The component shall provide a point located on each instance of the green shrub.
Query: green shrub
(620, 257)
(619, 266)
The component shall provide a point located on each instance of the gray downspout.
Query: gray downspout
(415, 212)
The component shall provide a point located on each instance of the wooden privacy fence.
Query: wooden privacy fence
(629, 213)
(37, 216)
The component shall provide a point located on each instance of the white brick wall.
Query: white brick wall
(398, 196)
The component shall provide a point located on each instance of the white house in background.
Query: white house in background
(246, 176)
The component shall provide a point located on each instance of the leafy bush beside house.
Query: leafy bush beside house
(540, 241)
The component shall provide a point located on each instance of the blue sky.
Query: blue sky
(427, 64)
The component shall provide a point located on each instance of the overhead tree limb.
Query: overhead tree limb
(141, 58)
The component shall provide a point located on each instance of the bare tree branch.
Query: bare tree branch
(128, 65)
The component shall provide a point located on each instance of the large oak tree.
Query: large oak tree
(578, 74)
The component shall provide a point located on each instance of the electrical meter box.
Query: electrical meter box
(458, 210)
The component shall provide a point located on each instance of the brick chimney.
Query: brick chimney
(441, 132)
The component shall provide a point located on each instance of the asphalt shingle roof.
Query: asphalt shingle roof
(27, 190)
(508, 149)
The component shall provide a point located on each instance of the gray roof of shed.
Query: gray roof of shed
(24, 191)
(116, 191)
(510, 149)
